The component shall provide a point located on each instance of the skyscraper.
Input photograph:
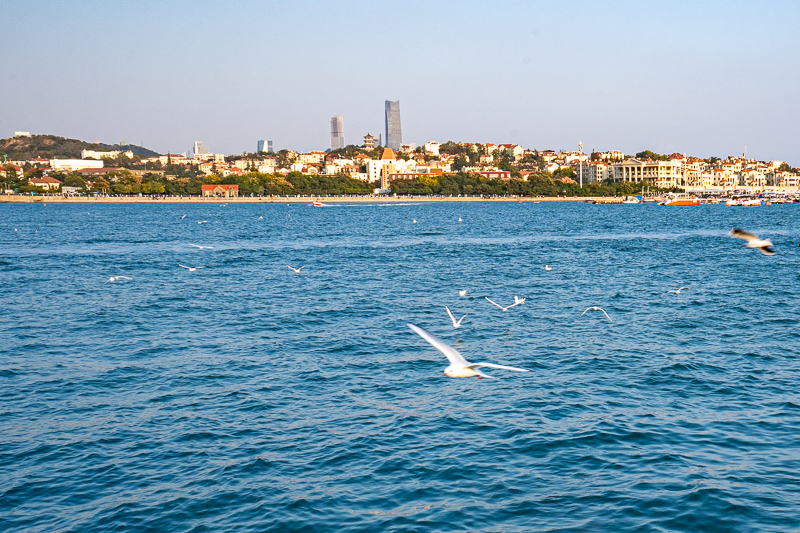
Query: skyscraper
(337, 132)
(261, 146)
(199, 149)
(394, 134)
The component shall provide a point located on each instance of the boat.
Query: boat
(680, 201)
(633, 200)
(743, 202)
(317, 203)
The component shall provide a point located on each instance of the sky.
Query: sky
(705, 78)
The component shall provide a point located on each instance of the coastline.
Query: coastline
(19, 198)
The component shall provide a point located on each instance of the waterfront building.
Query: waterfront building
(220, 190)
(46, 182)
(337, 132)
(394, 134)
(663, 174)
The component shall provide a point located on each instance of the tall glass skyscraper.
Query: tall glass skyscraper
(394, 134)
(337, 132)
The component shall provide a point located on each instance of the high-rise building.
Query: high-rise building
(337, 132)
(394, 134)
(265, 146)
(199, 149)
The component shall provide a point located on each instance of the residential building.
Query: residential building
(432, 148)
(111, 154)
(394, 134)
(46, 182)
(663, 174)
(337, 132)
(22, 134)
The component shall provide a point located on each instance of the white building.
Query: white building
(663, 174)
(74, 164)
(432, 148)
(111, 154)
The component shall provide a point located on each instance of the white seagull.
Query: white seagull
(190, 269)
(261, 218)
(202, 221)
(516, 302)
(459, 219)
(548, 268)
(116, 278)
(678, 291)
(296, 270)
(459, 367)
(415, 221)
(184, 216)
(462, 293)
(597, 309)
(202, 247)
(456, 324)
(762, 245)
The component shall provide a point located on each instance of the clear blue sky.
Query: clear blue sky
(703, 78)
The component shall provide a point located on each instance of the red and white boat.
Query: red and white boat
(680, 201)
(317, 203)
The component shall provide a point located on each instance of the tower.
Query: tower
(394, 134)
(337, 132)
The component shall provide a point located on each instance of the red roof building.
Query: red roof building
(220, 190)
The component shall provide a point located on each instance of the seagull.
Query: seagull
(516, 302)
(415, 221)
(190, 269)
(678, 291)
(455, 324)
(202, 221)
(548, 268)
(763, 246)
(202, 247)
(260, 218)
(459, 219)
(459, 367)
(184, 216)
(597, 309)
(116, 278)
(462, 293)
(296, 270)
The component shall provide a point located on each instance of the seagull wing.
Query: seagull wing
(587, 309)
(462, 318)
(684, 288)
(195, 245)
(123, 277)
(494, 303)
(199, 267)
(604, 312)
(451, 316)
(183, 266)
(492, 365)
(767, 250)
(742, 234)
(451, 353)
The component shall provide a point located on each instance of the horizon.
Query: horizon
(704, 80)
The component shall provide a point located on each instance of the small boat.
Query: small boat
(317, 203)
(680, 201)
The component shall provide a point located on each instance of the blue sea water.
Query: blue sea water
(244, 397)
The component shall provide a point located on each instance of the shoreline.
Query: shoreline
(19, 198)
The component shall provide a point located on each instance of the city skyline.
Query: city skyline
(705, 78)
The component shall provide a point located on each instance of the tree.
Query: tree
(101, 184)
(785, 167)
(647, 154)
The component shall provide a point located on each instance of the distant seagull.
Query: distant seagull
(459, 219)
(296, 270)
(763, 246)
(415, 221)
(184, 216)
(504, 308)
(456, 324)
(459, 367)
(462, 293)
(518, 301)
(202, 221)
(117, 278)
(260, 218)
(15, 229)
(678, 291)
(190, 269)
(597, 309)
(202, 247)
(548, 268)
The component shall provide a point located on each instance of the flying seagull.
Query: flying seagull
(116, 278)
(459, 367)
(202, 247)
(678, 291)
(296, 270)
(184, 216)
(202, 221)
(597, 309)
(763, 246)
(459, 219)
(516, 302)
(190, 269)
(415, 221)
(462, 293)
(548, 268)
(456, 324)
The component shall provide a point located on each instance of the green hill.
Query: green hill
(53, 147)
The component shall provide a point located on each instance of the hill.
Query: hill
(52, 147)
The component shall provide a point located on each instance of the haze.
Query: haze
(704, 79)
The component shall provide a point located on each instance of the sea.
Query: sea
(243, 397)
